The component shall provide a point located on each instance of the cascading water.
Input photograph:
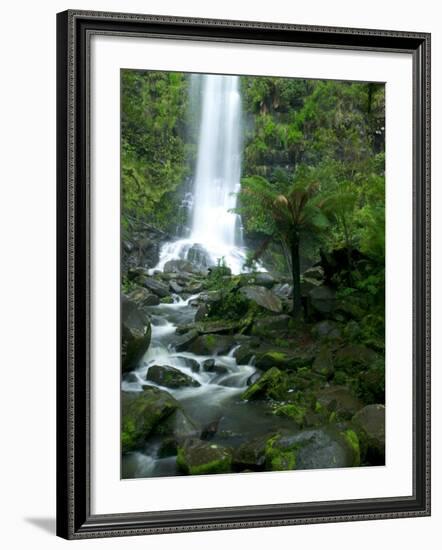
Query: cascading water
(216, 230)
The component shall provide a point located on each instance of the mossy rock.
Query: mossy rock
(339, 400)
(283, 359)
(278, 324)
(354, 356)
(142, 412)
(295, 412)
(251, 454)
(325, 447)
(170, 377)
(212, 344)
(135, 334)
(369, 423)
(272, 384)
(323, 363)
(196, 457)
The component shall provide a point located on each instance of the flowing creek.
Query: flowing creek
(218, 396)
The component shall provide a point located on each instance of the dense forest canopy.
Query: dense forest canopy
(312, 173)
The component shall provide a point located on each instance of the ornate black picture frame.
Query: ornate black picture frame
(74, 518)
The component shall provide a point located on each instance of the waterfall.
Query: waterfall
(218, 168)
(216, 231)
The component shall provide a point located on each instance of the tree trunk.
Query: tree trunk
(296, 276)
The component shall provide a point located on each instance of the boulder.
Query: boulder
(141, 413)
(272, 384)
(251, 455)
(284, 291)
(283, 359)
(182, 342)
(278, 323)
(210, 297)
(177, 266)
(326, 330)
(142, 297)
(157, 287)
(196, 457)
(340, 401)
(354, 356)
(175, 287)
(201, 313)
(190, 363)
(323, 299)
(198, 256)
(265, 279)
(323, 363)
(242, 354)
(369, 423)
(170, 377)
(325, 447)
(263, 297)
(209, 365)
(135, 334)
(212, 344)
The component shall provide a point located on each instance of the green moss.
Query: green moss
(272, 384)
(167, 300)
(295, 412)
(220, 465)
(353, 442)
(278, 459)
(128, 435)
(277, 356)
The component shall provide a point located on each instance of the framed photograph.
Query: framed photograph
(243, 274)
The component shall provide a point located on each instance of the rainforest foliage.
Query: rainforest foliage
(313, 184)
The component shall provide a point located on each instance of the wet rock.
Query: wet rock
(141, 413)
(212, 344)
(135, 334)
(253, 378)
(325, 447)
(243, 354)
(283, 359)
(369, 423)
(190, 363)
(157, 287)
(340, 401)
(323, 299)
(178, 427)
(198, 256)
(196, 457)
(170, 377)
(177, 266)
(263, 297)
(272, 384)
(175, 287)
(130, 377)
(209, 365)
(251, 455)
(182, 342)
(142, 297)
